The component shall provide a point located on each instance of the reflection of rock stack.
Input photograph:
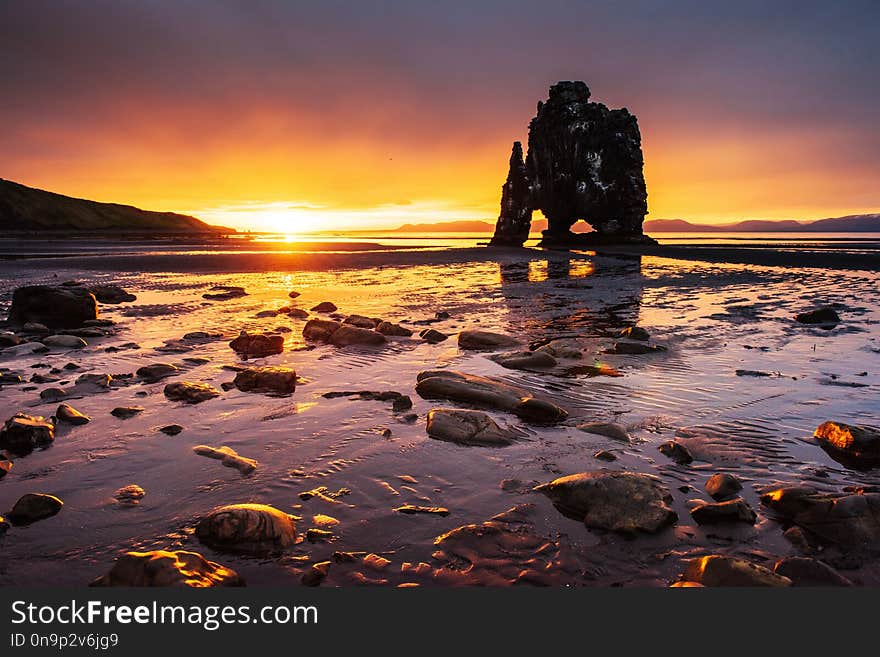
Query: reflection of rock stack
(584, 162)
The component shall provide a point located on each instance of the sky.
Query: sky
(294, 116)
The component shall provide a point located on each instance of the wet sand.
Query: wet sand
(713, 318)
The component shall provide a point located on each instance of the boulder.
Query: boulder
(67, 413)
(248, 528)
(32, 507)
(387, 328)
(126, 412)
(722, 486)
(65, 341)
(824, 315)
(525, 360)
(280, 380)
(55, 307)
(719, 570)
(23, 433)
(157, 372)
(432, 336)
(635, 333)
(257, 345)
(228, 457)
(607, 429)
(856, 445)
(484, 340)
(466, 428)
(325, 307)
(191, 393)
(111, 294)
(349, 335)
(711, 513)
(489, 393)
(165, 568)
(320, 330)
(623, 502)
(805, 571)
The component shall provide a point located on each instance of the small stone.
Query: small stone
(635, 333)
(68, 414)
(824, 315)
(375, 562)
(297, 313)
(387, 328)
(432, 336)
(166, 568)
(635, 348)
(736, 510)
(65, 341)
(484, 340)
(401, 403)
(466, 427)
(325, 307)
(94, 380)
(266, 313)
(126, 412)
(257, 345)
(718, 570)
(316, 574)
(605, 455)
(130, 495)
(278, 380)
(228, 457)
(33, 507)
(4, 526)
(525, 360)
(362, 322)
(293, 294)
(23, 433)
(412, 509)
(318, 535)
(324, 520)
(171, 429)
(5, 466)
(722, 486)
(676, 451)
(157, 372)
(225, 292)
(805, 571)
(607, 429)
(190, 393)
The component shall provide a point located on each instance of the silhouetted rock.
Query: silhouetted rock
(111, 294)
(55, 307)
(166, 568)
(676, 451)
(584, 162)
(32, 507)
(171, 429)
(635, 333)
(607, 429)
(824, 315)
(525, 360)
(64, 341)
(432, 336)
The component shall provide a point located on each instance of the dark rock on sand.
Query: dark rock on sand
(320, 330)
(293, 294)
(387, 328)
(635, 333)
(257, 345)
(605, 455)
(94, 380)
(4, 526)
(166, 568)
(314, 535)
(623, 502)
(824, 315)
(130, 495)
(325, 307)
(10, 378)
(56, 307)
(722, 486)
(225, 292)
(64, 342)
(486, 392)
(805, 571)
(26, 348)
(5, 465)
(191, 393)
(856, 445)
(32, 507)
(362, 322)
(126, 412)
(401, 403)
(607, 429)
(432, 336)
(279, 380)
(525, 360)
(718, 570)
(67, 413)
(157, 372)
(466, 428)
(23, 433)
(676, 451)
(248, 528)
(350, 335)
(8, 340)
(228, 457)
(171, 429)
(316, 574)
(484, 340)
(635, 348)
(412, 509)
(736, 510)
(111, 294)
(266, 313)
(297, 313)
(53, 394)
(756, 373)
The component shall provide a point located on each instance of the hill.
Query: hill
(855, 223)
(26, 209)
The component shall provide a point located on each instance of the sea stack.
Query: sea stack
(584, 162)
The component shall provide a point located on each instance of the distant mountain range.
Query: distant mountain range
(26, 209)
(855, 223)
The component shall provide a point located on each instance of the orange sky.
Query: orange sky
(284, 118)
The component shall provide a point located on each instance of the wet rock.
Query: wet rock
(26, 348)
(676, 451)
(4, 525)
(126, 412)
(10, 378)
(722, 486)
(325, 307)
(635, 333)
(525, 360)
(257, 345)
(225, 292)
(165, 568)
(484, 340)
(248, 528)
(157, 372)
(67, 413)
(191, 393)
(111, 294)
(130, 495)
(8, 339)
(856, 445)
(320, 330)
(412, 509)
(718, 570)
(23, 433)
(756, 373)
(362, 322)
(297, 313)
(197, 335)
(605, 455)
(34, 328)
(266, 313)
(736, 510)
(607, 429)
(635, 348)
(293, 294)
(94, 380)
(55, 307)
(278, 380)
(32, 507)
(851, 521)
(53, 394)
(805, 571)
(623, 502)
(228, 457)
(349, 335)
(171, 429)
(5, 465)
(824, 315)
(318, 535)
(563, 348)
(433, 336)
(467, 428)
(402, 403)
(489, 393)
(387, 328)
(316, 574)
(64, 341)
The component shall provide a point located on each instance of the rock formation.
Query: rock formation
(584, 162)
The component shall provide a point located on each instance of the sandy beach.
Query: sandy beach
(739, 381)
